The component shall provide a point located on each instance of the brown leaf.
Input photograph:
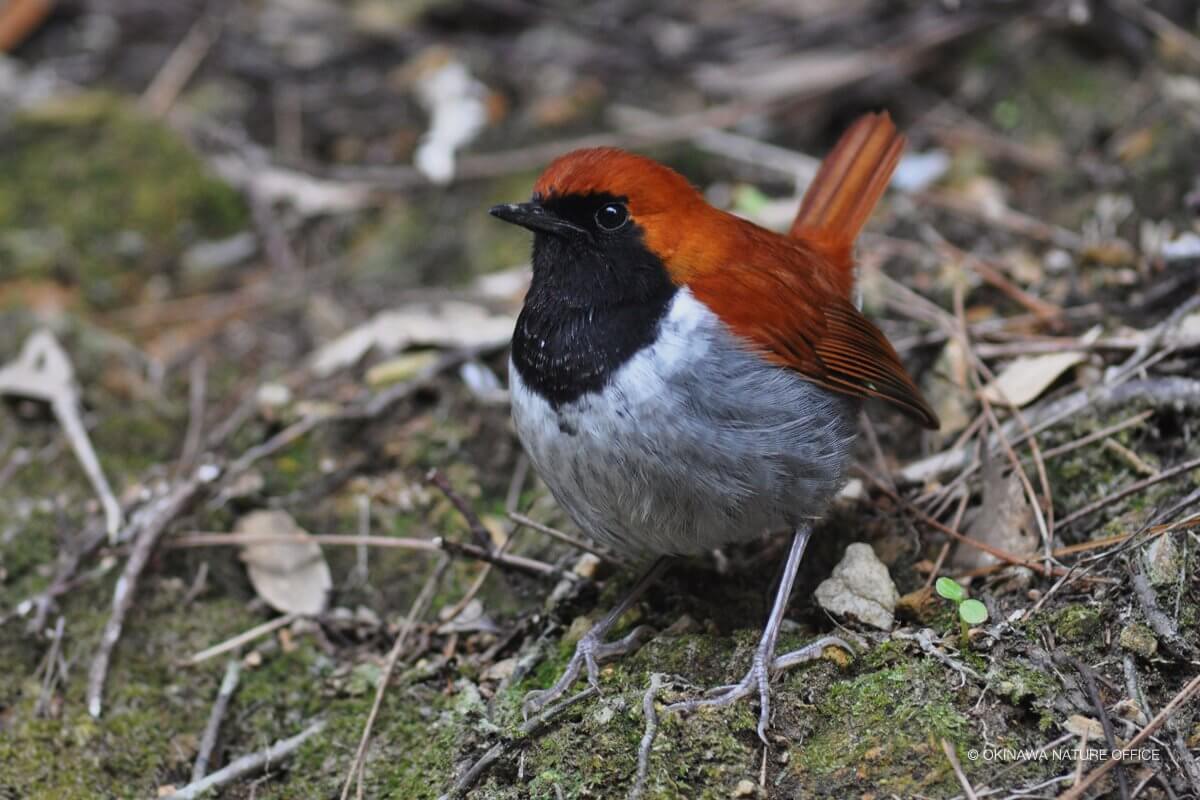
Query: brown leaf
(1005, 520)
(290, 577)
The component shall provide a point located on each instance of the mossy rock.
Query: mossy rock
(96, 195)
(1076, 623)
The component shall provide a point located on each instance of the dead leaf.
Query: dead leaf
(1023, 380)
(1005, 520)
(1083, 726)
(451, 324)
(292, 578)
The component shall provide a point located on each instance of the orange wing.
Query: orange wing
(791, 297)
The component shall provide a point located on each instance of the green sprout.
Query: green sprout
(970, 611)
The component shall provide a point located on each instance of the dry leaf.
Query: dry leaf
(449, 324)
(1005, 520)
(292, 578)
(1022, 381)
(1080, 725)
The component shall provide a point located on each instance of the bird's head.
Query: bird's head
(608, 226)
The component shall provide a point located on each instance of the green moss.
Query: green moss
(1075, 623)
(1021, 683)
(1138, 638)
(884, 728)
(95, 194)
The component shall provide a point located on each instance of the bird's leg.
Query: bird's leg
(592, 649)
(758, 677)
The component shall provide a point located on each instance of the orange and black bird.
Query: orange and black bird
(683, 379)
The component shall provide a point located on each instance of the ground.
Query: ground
(1070, 174)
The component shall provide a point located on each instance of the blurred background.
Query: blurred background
(249, 288)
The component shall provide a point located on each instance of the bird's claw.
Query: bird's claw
(589, 653)
(758, 677)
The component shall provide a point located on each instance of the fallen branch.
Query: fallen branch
(245, 765)
(1133, 488)
(208, 741)
(1172, 392)
(233, 643)
(147, 526)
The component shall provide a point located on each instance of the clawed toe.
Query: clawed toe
(589, 653)
(758, 678)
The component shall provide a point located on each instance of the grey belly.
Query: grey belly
(692, 445)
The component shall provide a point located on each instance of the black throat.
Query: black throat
(594, 302)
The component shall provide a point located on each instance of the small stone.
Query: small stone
(1163, 561)
(272, 396)
(1139, 639)
(860, 587)
(501, 670)
(745, 788)
(1076, 623)
(586, 566)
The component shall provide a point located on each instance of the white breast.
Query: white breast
(694, 443)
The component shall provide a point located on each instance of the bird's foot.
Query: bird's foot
(591, 651)
(758, 678)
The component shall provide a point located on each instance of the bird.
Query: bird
(683, 379)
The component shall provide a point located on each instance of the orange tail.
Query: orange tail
(847, 186)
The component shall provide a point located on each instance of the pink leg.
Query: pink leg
(758, 677)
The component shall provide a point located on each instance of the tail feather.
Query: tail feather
(849, 183)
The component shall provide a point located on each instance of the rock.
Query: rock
(1139, 639)
(1163, 561)
(860, 587)
(745, 788)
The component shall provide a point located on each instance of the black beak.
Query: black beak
(535, 218)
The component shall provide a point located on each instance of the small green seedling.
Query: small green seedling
(970, 612)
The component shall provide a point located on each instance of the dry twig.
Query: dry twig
(247, 765)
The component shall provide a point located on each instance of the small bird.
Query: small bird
(683, 379)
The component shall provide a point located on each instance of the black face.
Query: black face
(597, 296)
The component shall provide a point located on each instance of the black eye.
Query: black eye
(612, 216)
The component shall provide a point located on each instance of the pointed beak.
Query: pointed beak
(535, 218)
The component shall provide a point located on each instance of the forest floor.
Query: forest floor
(265, 309)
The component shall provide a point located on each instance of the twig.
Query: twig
(474, 523)
(1132, 488)
(1185, 694)
(956, 765)
(1003, 555)
(476, 770)
(529, 566)
(208, 741)
(554, 533)
(420, 604)
(1167, 392)
(148, 525)
(179, 67)
(1089, 683)
(194, 438)
(51, 668)
(43, 371)
(233, 643)
(924, 638)
(643, 767)
(19, 19)
(246, 765)
(1156, 618)
(1151, 340)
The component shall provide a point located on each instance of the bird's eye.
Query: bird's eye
(612, 216)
